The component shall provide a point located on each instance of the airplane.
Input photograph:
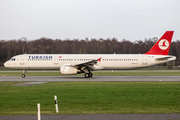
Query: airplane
(69, 64)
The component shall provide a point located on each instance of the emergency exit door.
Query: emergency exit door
(22, 60)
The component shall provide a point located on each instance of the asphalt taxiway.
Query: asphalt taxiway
(94, 78)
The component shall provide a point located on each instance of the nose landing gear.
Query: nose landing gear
(23, 75)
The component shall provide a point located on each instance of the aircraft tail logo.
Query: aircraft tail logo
(162, 45)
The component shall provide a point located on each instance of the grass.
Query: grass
(90, 98)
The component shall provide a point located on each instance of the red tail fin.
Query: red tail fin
(162, 45)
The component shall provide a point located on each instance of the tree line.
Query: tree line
(9, 48)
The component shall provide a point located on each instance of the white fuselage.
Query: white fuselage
(107, 62)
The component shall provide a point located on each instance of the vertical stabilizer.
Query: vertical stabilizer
(162, 45)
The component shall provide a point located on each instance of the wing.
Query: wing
(90, 65)
(87, 66)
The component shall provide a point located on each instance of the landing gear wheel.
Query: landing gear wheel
(90, 74)
(23, 75)
(86, 75)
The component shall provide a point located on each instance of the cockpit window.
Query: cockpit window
(12, 59)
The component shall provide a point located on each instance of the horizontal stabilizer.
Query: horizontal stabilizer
(163, 58)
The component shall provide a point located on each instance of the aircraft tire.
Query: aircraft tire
(90, 74)
(23, 75)
(86, 75)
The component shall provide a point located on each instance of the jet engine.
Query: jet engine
(68, 70)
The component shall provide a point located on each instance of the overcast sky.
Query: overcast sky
(61, 19)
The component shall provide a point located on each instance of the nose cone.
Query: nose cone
(6, 64)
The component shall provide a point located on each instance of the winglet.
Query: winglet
(99, 59)
(162, 45)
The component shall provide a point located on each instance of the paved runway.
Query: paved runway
(96, 117)
(94, 78)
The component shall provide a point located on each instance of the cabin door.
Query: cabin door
(144, 60)
(56, 60)
(22, 60)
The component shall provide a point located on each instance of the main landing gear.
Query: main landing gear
(87, 75)
(23, 75)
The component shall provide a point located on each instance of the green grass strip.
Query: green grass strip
(91, 98)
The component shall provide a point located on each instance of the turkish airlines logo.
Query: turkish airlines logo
(163, 44)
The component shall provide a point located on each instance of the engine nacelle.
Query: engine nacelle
(68, 70)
